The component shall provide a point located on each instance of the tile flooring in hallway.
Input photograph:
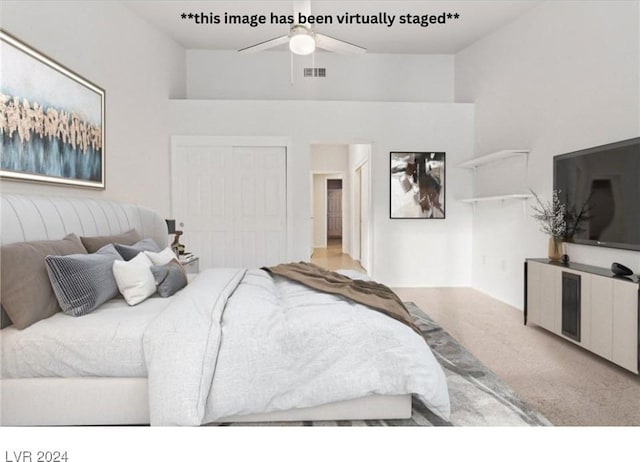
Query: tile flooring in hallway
(332, 258)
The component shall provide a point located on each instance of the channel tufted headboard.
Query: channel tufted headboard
(33, 218)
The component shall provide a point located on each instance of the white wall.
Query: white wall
(369, 77)
(406, 252)
(330, 158)
(140, 69)
(562, 77)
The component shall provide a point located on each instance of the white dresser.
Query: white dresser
(586, 305)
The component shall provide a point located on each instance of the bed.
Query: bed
(234, 345)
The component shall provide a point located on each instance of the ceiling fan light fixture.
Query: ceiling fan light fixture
(301, 41)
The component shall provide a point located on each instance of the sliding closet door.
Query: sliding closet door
(231, 203)
(259, 201)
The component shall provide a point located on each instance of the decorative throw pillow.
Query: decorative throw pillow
(26, 293)
(170, 277)
(95, 243)
(83, 282)
(161, 258)
(134, 279)
(130, 251)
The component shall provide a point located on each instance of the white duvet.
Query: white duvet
(238, 342)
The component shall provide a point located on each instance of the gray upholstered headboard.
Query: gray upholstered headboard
(33, 218)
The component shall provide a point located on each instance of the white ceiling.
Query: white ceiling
(477, 19)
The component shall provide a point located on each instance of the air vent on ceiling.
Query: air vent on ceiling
(315, 72)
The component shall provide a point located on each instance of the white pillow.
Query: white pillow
(134, 278)
(161, 258)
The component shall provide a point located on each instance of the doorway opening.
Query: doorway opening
(334, 212)
(340, 207)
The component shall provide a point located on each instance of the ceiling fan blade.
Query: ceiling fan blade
(301, 7)
(265, 45)
(337, 46)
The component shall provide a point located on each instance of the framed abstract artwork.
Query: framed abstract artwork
(51, 120)
(417, 185)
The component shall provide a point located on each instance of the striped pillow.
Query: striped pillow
(83, 282)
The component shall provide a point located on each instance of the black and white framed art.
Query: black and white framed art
(417, 185)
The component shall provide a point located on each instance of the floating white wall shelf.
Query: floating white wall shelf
(503, 197)
(493, 157)
(497, 156)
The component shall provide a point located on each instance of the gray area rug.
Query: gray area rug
(478, 396)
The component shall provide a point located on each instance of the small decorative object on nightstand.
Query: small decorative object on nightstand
(177, 248)
(190, 262)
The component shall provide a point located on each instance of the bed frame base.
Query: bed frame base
(124, 401)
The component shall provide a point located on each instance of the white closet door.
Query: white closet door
(259, 202)
(231, 204)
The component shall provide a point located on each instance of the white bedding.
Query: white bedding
(256, 344)
(104, 343)
(232, 343)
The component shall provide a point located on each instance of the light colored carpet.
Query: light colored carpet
(567, 384)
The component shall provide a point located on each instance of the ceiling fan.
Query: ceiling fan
(303, 40)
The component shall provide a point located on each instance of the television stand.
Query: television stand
(586, 305)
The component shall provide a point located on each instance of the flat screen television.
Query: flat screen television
(608, 179)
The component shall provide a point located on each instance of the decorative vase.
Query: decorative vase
(555, 249)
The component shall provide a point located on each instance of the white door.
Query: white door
(230, 201)
(334, 213)
(364, 216)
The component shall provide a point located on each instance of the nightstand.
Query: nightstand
(191, 265)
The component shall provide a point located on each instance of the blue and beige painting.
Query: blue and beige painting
(50, 124)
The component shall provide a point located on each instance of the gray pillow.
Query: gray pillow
(94, 243)
(83, 282)
(130, 251)
(26, 292)
(170, 278)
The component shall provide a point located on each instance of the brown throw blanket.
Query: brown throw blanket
(376, 296)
